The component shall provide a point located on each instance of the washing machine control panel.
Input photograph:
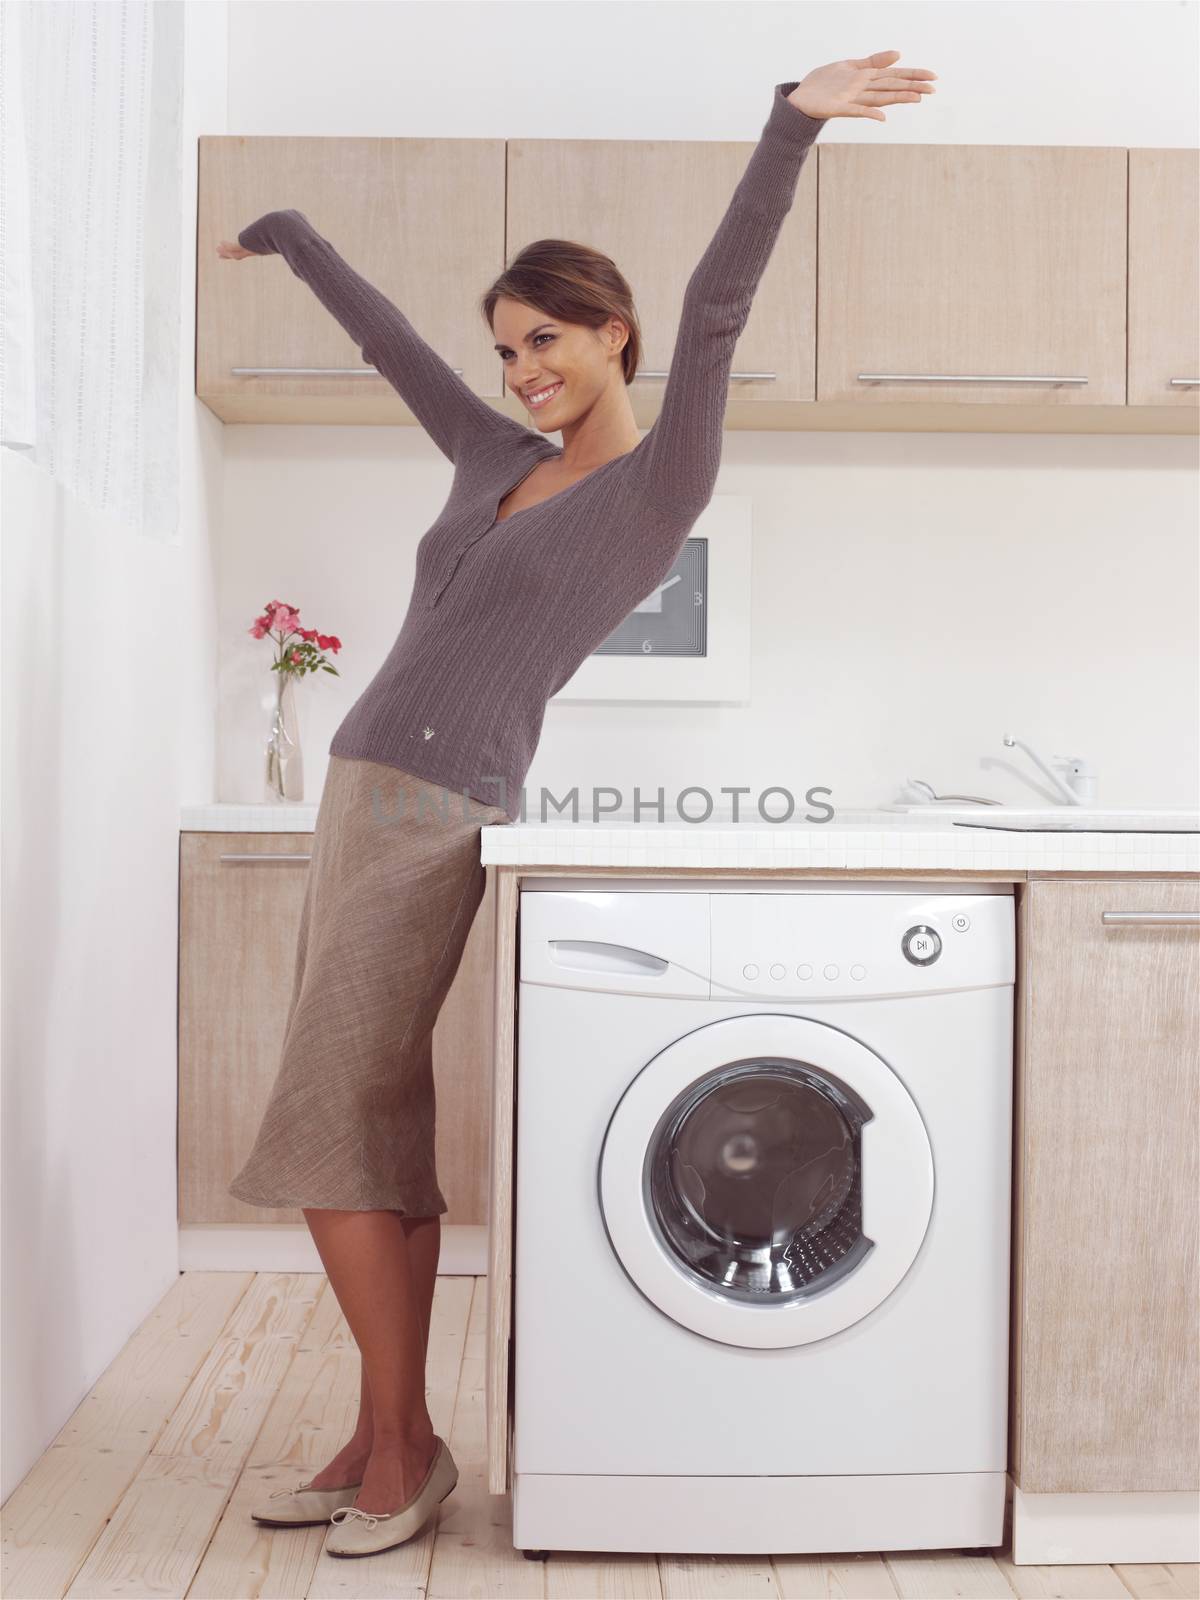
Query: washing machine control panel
(921, 945)
(844, 945)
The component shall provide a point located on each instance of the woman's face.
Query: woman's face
(540, 352)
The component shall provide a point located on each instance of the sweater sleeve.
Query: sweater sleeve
(683, 446)
(447, 408)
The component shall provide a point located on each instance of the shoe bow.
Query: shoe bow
(344, 1513)
(279, 1493)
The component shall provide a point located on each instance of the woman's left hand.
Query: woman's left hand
(859, 88)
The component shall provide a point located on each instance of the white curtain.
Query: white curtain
(90, 191)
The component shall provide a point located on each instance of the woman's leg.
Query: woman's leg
(383, 1267)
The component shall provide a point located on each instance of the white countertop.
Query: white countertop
(860, 839)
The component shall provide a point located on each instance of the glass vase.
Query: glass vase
(285, 759)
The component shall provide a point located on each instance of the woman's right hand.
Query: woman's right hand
(233, 252)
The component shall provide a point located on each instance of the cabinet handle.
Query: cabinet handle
(1151, 919)
(313, 372)
(734, 377)
(1184, 383)
(266, 857)
(955, 377)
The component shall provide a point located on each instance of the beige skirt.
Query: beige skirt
(393, 887)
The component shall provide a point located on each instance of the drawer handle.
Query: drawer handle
(266, 857)
(1184, 383)
(735, 377)
(313, 372)
(1151, 919)
(955, 377)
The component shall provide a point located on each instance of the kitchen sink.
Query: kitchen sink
(1057, 819)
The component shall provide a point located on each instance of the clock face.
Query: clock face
(673, 619)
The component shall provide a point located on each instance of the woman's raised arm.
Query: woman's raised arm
(682, 451)
(447, 408)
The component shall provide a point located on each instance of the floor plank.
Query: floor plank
(239, 1383)
(1152, 1582)
(160, 1528)
(61, 1507)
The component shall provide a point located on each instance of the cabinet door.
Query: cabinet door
(1105, 1323)
(421, 219)
(1164, 277)
(982, 275)
(653, 205)
(241, 896)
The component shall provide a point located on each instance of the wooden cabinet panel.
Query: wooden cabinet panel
(240, 901)
(956, 283)
(238, 922)
(1164, 277)
(965, 262)
(421, 219)
(653, 205)
(1105, 1291)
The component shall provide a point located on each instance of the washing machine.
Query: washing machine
(762, 1215)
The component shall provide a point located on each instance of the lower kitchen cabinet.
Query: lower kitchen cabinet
(240, 898)
(1106, 1326)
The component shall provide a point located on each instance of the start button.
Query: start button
(921, 945)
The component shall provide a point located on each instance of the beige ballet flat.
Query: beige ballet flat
(361, 1533)
(296, 1508)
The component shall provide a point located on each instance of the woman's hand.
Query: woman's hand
(233, 252)
(858, 88)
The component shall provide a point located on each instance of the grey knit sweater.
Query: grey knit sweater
(503, 613)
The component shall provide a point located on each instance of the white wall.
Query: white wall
(915, 595)
(109, 680)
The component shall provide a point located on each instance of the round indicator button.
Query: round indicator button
(778, 971)
(750, 971)
(858, 973)
(804, 971)
(832, 971)
(960, 922)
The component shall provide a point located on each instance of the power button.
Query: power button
(921, 945)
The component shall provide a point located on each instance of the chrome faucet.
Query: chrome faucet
(1082, 786)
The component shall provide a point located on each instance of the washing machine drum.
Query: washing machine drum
(767, 1180)
(755, 1178)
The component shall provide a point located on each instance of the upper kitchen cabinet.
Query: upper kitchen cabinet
(421, 219)
(970, 275)
(1164, 278)
(653, 205)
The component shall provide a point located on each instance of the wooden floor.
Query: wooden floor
(240, 1383)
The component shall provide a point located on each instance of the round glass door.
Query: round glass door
(766, 1180)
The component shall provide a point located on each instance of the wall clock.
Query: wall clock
(690, 638)
(673, 620)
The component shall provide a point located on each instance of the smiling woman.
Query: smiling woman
(506, 602)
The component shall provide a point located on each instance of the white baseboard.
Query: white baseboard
(289, 1247)
(1102, 1529)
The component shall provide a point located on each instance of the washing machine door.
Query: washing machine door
(766, 1181)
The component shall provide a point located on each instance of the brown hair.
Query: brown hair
(574, 283)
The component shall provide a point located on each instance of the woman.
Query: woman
(536, 557)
